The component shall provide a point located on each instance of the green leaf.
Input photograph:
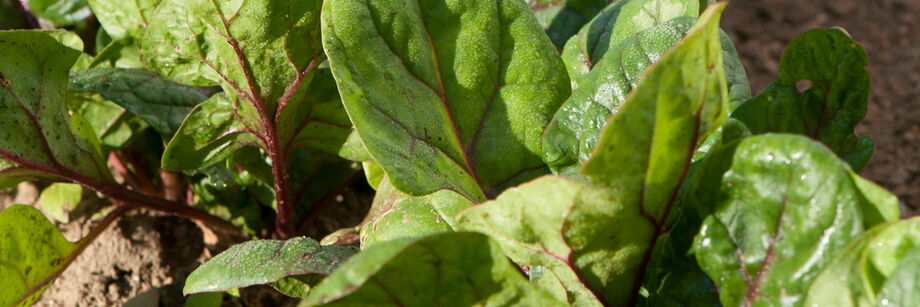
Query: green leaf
(452, 268)
(123, 53)
(821, 92)
(60, 12)
(263, 261)
(586, 239)
(646, 148)
(397, 215)
(114, 126)
(373, 172)
(296, 286)
(561, 19)
(879, 265)
(616, 23)
(204, 300)
(575, 129)
(786, 207)
(319, 120)
(260, 52)
(162, 103)
(210, 133)
(433, 98)
(878, 205)
(57, 196)
(122, 19)
(36, 131)
(32, 253)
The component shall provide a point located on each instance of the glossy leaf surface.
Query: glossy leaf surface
(452, 268)
(35, 129)
(32, 255)
(787, 206)
(571, 136)
(821, 92)
(162, 103)
(264, 261)
(446, 95)
(619, 21)
(645, 149)
(877, 269)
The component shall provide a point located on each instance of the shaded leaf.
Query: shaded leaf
(162, 103)
(204, 300)
(263, 261)
(433, 113)
(60, 12)
(861, 271)
(11, 15)
(58, 197)
(37, 131)
(123, 53)
(561, 19)
(821, 92)
(619, 21)
(32, 254)
(210, 133)
(296, 286)
(786, 207)
(453, 268)
(114, 126)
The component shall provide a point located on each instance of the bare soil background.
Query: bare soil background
(147, 256)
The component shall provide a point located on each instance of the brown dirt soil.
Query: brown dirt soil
(889, 30)
(147, 256)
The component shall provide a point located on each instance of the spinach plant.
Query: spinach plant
(544, 153)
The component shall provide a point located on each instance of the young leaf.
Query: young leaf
(451, 268)
(60, 12)
(58, 196)
(319, 120)
(616, 23)
(123, 53)
(397, 215)
(114, 126)
(264, 261)
(574, 131)
(878, 269)
(787, 206)
(37, 133)
(162, 103)
(821, 92)
(561, 19)
(434, 99)
(33, 253)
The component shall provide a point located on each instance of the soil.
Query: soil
(889, 30)
(145, 257)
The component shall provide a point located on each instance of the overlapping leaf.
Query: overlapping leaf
(397, 215)
(821, 92)
(60, 197)
(561, 19)
(60, 12)
(452, 268)
(210, 133)
(264, 261)
(785, 208)
(446, 95)
(32, 254)
(162, 103)
(36, 131)
(122, 19)
(575, 129)
(617, 22)
(878, 269)
(592, 239)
